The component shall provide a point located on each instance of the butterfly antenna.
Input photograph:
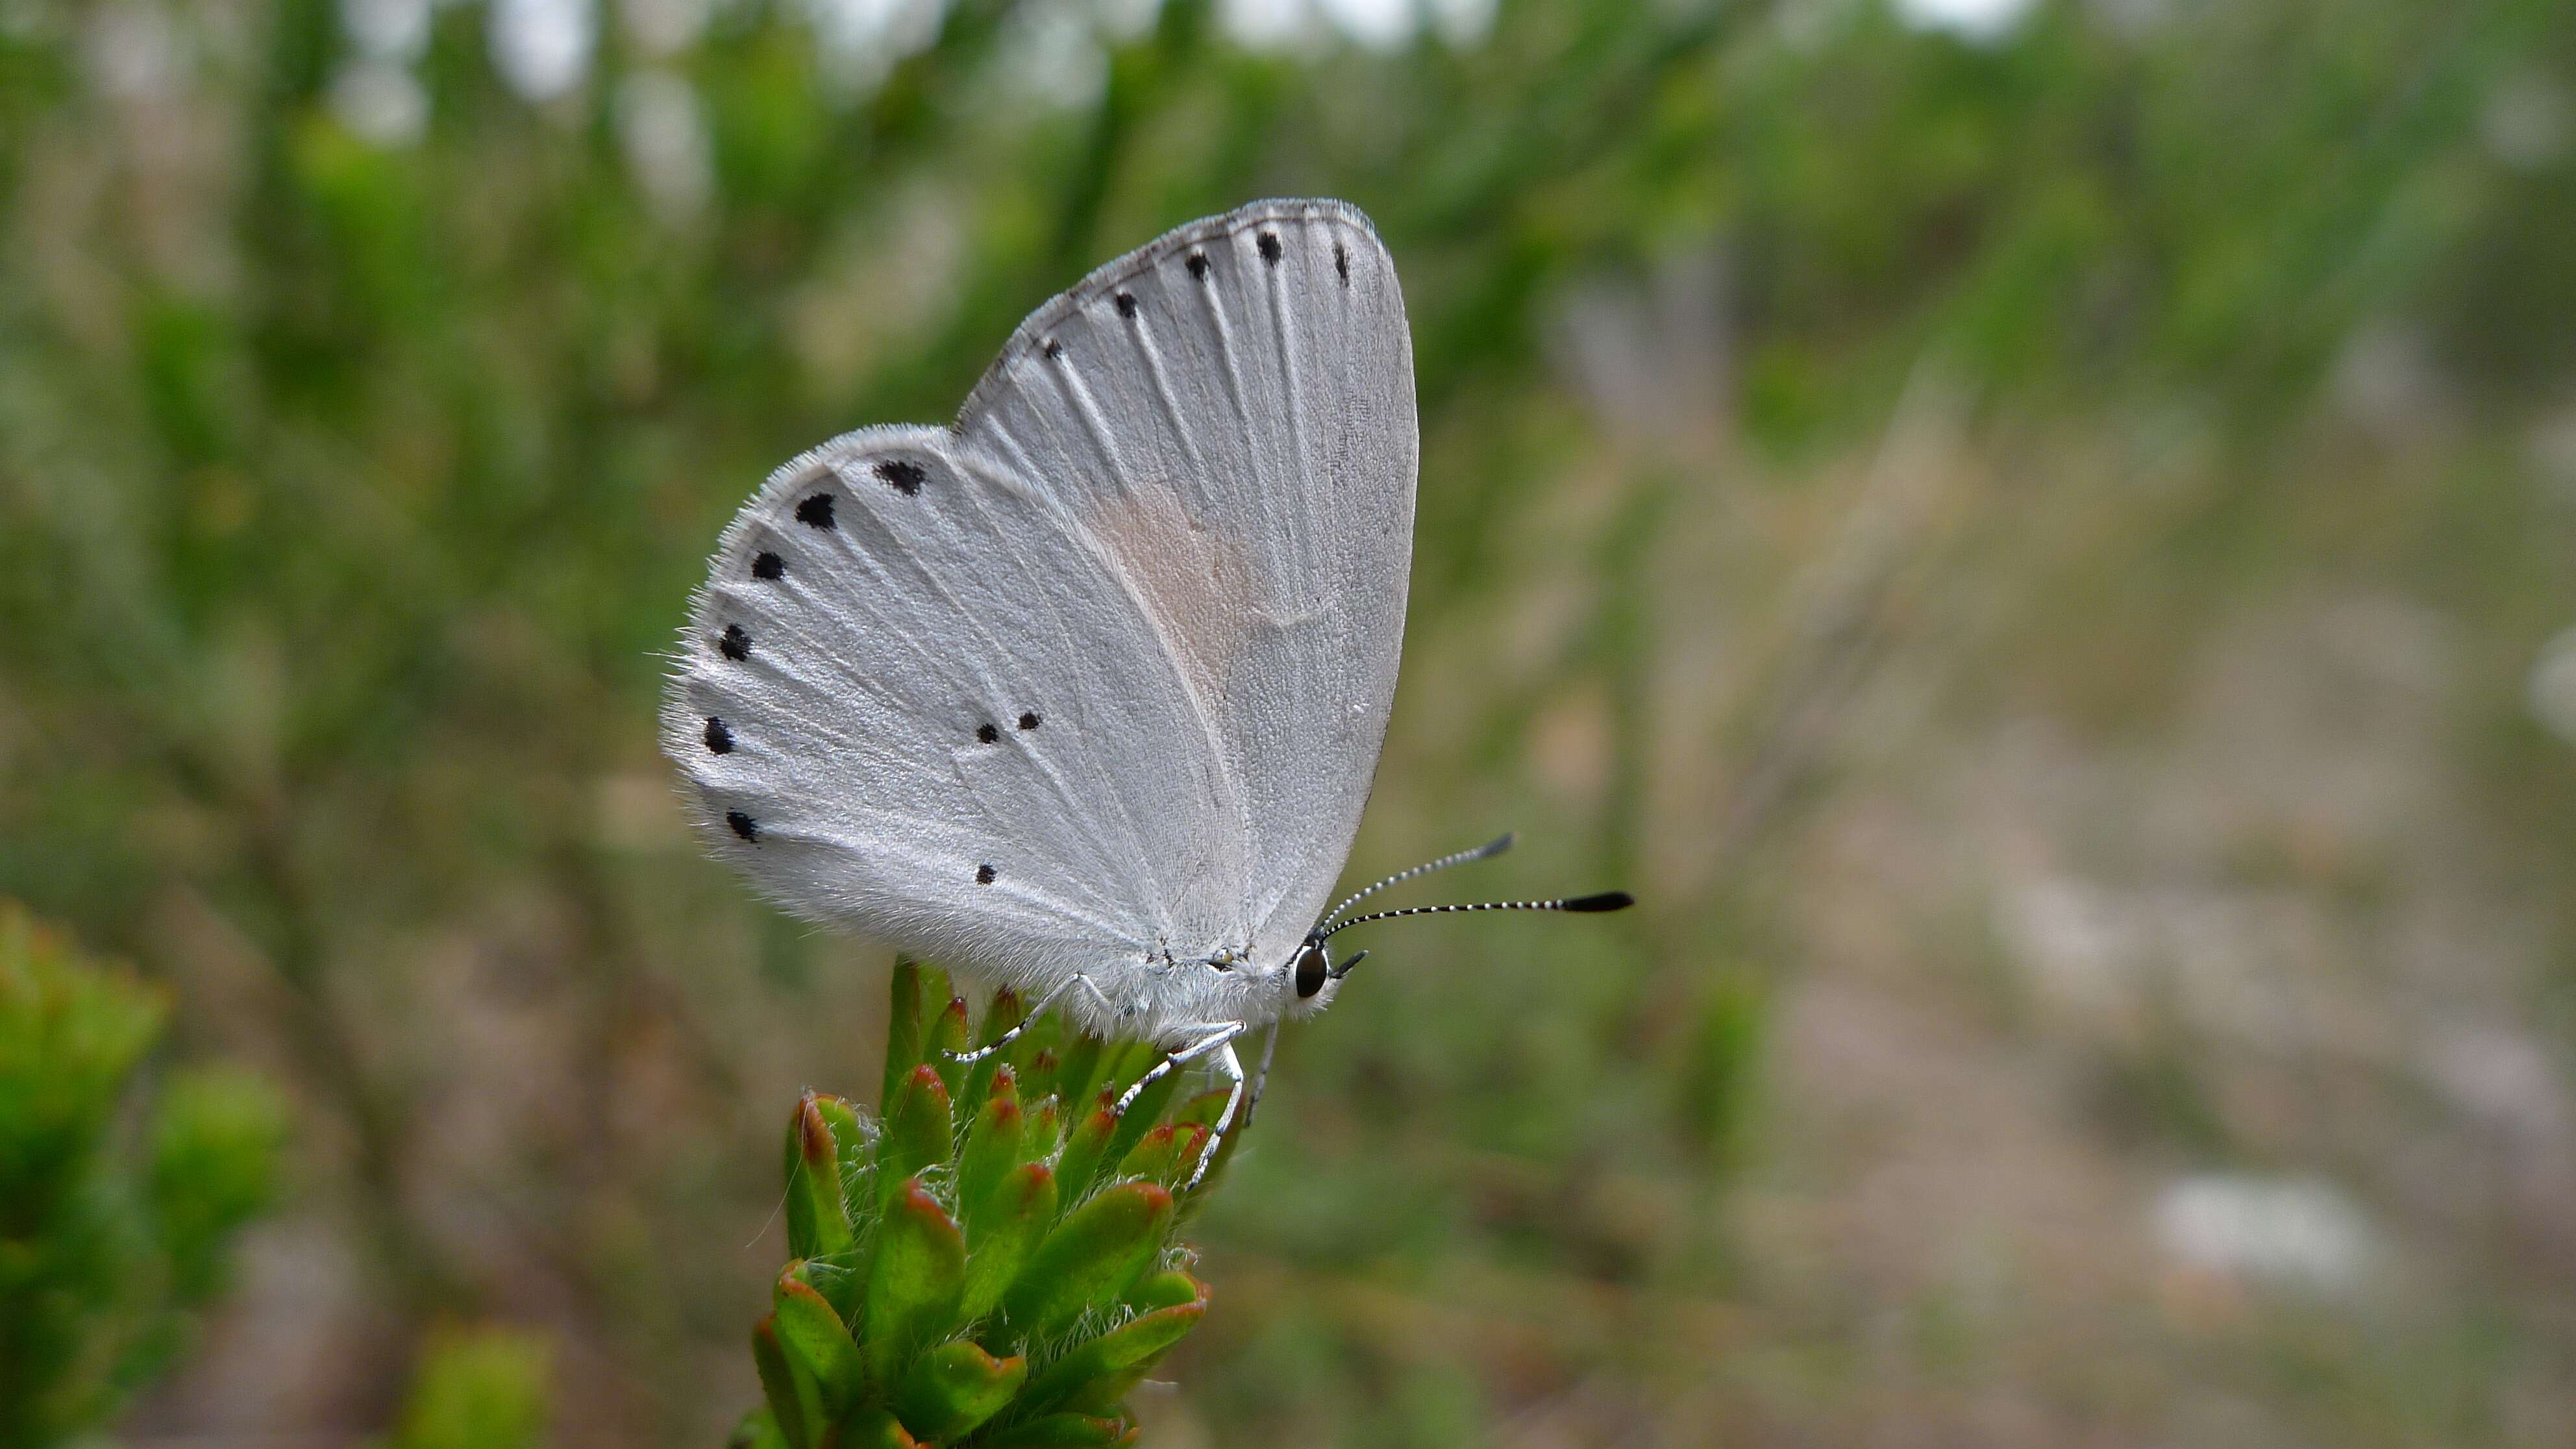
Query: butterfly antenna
(1486, 851)
(1605, 901)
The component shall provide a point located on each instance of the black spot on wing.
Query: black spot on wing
(1028, 719)
(719, 738)
(743, 825)
(1198, 265)
(902, 475)
(1126, 304)
(1270, 249)
(768, 566)
(1342, 262)
(736, 643)
(984, 874)
(816, 511)
(1054, 349)
(987, 733)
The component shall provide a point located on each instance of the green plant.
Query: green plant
(479, 1388)
(113, 1223)
(992, 1262)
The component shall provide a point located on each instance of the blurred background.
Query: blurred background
(2037, 536)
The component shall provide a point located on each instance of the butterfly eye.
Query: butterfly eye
(1311, 971)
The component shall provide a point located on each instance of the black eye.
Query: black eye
(1310, 972)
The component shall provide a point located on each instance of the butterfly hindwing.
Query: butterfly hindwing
(872, 649)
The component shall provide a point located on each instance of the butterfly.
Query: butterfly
(1082, 694)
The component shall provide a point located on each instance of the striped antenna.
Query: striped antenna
(1486, 851)
(1605, 901)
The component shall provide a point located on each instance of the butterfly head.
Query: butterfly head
(1313, 976)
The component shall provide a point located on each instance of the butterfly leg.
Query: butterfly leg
(1036, 1010)
(1261, 1073)
(1219, 1041)
(1229, 1067)
(1218, 1034)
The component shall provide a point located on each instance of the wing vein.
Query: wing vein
(1304, 565)
(966, 463)
(1120, 478)
(991, 686)
(1146, 860)
(1171, 407)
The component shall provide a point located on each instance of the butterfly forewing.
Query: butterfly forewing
(1104, 670)
(1237, 399)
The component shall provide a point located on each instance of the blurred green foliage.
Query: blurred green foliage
(115, 1217)
(481, 1388)
(364, 423)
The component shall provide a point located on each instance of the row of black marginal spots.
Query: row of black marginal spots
(1272, 253)
(815, 510)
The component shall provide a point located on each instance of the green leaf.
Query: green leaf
(1035, 1055)
(851, 1134)
(818, 1219)
(875, 1429)
(914, 1282)
(1139, 1117)
(1122, 1063)
(1004, 1013)
(916, 1132)
(1046, 1127)
(1003, 1227)
(1094, 1377)
(1090, 1258)
(994, 1144)
(836, 1278)
(1166, 1154)
(815, 1340)
(947, 1035)
(1165, 1290)
(936, 993)
(956, 1386)
(1204, 1108)
(1060, 1431)
(795, 1400)
(1077, 1074)
(1086, 1148)
(1039, 1067)
(904, 1021)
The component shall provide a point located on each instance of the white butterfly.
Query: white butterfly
(1083, 693)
